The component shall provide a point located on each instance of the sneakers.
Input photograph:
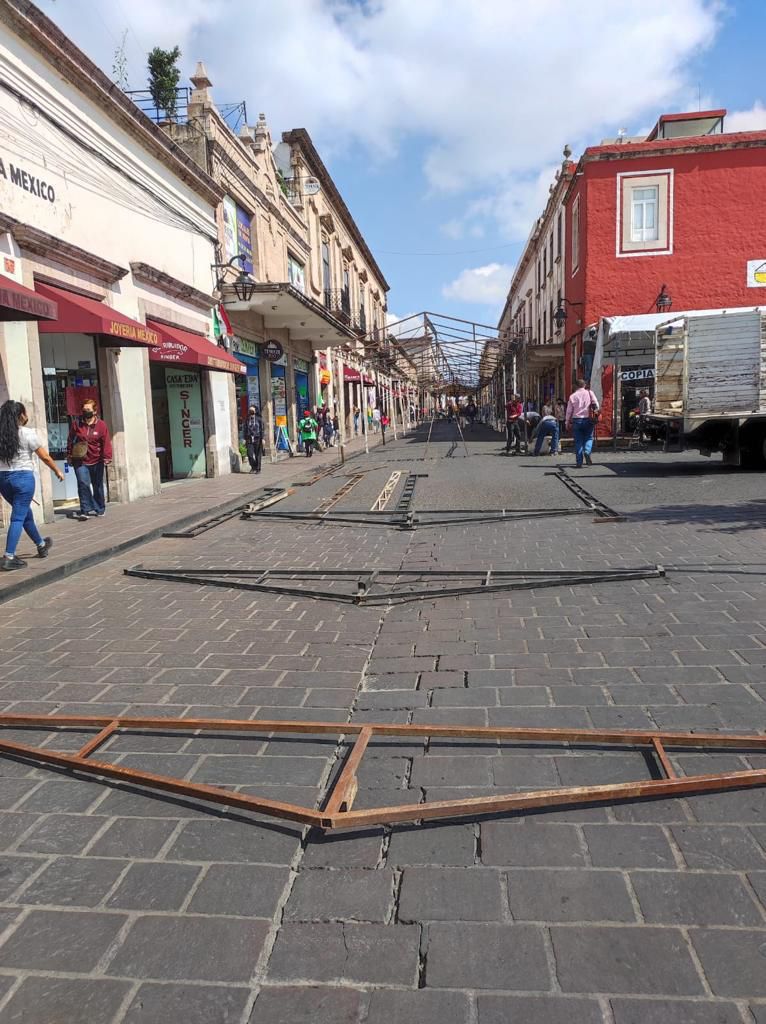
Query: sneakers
(9, 564)
(44, 548)
(79, 515)
(588, 460)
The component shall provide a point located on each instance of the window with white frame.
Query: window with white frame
(575, 234)
(643, 214)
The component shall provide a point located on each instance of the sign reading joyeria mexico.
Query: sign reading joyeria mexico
(273, 350)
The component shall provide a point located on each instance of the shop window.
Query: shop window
(559, 233)
(326, 274)
(296, 273)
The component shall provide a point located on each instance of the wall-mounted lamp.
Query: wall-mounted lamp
(664, 301)
(244, 286)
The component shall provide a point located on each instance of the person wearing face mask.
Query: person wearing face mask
(89, 451)
(18, 443)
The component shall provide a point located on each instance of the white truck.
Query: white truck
(710, 385)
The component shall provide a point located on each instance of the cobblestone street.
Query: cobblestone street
(121, 906)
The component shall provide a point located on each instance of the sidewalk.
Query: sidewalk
(76, 545)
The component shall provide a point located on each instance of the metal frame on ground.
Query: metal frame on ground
(337, 811)
(375, 586)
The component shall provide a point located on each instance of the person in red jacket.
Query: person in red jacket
(89, 450)
(514, 414)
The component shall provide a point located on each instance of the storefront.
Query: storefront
(278, 370)
(74, 356)
(633, 380)
(301, 369)
(248, 384)
(188, 380)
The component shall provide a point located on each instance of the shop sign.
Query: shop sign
(135, 332)
(29, 182)
(244, 240)
(273, 351)
(236, 234)
(187, 436)
(756, 273)
(244, 347)
(301, 364)
(642, 373)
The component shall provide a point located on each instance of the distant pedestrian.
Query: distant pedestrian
(548, 409)
(357, 417)
(89, 452)
(18, 442)
(547, 427)
(252, 434)
(327, 429)
(644, 411)
(582, 414)
(376, 419)
(307, 429)
(369, 418)
(560, 412)
(514, 411)
(384, 421)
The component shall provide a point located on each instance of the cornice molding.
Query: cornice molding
(41, 243)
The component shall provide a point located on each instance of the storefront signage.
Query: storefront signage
(120, 329)
(756, 273)
(244, 347)
(244, 239)
(23, 179)
(273, 351)
(644, 373)
(237, 239)
(301, 364)
(187, 436)
(29, 304)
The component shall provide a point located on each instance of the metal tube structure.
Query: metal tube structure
(338, 813)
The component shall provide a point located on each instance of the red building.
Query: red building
(680, 214)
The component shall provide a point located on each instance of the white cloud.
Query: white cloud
(406, 325)
(752, 120)
(487, 285)
(491, 91)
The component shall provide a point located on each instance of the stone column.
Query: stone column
(341, 399)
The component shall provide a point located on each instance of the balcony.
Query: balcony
(337, 302)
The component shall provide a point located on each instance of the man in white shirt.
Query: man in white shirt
(644, 409)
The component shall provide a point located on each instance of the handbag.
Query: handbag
(79, 449)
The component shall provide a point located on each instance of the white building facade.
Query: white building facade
(113, 229)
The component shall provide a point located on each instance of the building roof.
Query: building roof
(625, 150)
(712, 116)
(300, 137)
(38, 31)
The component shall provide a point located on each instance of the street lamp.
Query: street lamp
(663, 301)
(244, 286)
(560, 314)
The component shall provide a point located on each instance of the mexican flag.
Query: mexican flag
(221, 323)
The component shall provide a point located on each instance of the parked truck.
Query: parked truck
(710, 385)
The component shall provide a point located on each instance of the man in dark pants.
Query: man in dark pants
(252, 433)
(514, 414)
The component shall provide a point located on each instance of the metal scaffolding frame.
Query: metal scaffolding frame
(337, 811)
(389, 586)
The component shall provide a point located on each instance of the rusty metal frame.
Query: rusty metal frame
(337, 812)
(375, 586)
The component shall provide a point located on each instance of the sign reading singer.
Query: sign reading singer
(273, 351)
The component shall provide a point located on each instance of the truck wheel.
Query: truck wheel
(754, 448)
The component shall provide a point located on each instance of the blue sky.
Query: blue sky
(443, 121)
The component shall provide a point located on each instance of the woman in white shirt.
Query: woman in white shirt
(18, 443)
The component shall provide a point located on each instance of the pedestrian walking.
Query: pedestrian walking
(384, 421)
(307, 429)
(582, 415)
(89, 452)
(644, 411)
(327, 429)
(376, 419)
(252, 434)
(547, 427)
(514, 411)
(560, 412)
(357, 417)
(18, 442)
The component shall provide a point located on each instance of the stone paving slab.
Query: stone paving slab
(128, 906)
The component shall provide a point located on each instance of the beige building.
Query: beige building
(317, 298)
(533, 341)
(85, 311)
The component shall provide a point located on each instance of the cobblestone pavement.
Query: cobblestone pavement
(124, 907)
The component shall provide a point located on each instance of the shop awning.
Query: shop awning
(78, 314)
(20, 303)
(186, 349)
(351, 375)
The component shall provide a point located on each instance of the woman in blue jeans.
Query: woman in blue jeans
(18, 443)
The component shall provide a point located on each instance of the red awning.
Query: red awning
(187, 349)
(20, 303)
(78, 314)
(368, 382)
(350, 375)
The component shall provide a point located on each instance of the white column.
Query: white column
(341, 399)
(331, 385)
